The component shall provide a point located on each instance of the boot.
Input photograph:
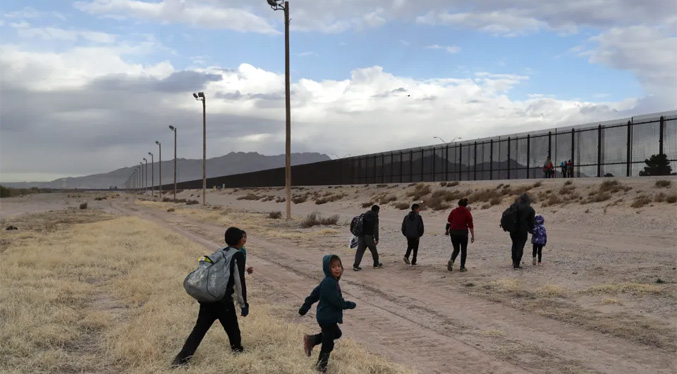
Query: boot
(322, 362)
(180, 361)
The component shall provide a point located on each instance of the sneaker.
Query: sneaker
(539, 264)
(357, 268)
(406, 260)
(237, 350)
(534, 261)
(450, 265)
(413, 264)
(378, 266)
(307, 347)
(180, 362)
(463, 270)
(516, 267)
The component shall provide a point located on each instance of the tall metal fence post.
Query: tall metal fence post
(401, 167)
(528, 156)
(661, 134)
(550, 144)
(411, 165)
(573, 150)
(446, 162)
(508, 157)
(474, 169)
(491, 159)
(599, 151)
(629, 151)
(434, 157)
(383, 167)
(460, 161)
(422, 165)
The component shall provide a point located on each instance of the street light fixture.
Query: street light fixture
(437, 137)
(145, 182)
(200, 96)
(160, 165)
(174, 129)
(152, 175)
(278, 5)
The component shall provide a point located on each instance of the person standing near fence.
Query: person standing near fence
(570, 169)
(458, 224)
(412, 229)
(548, 168)
(368, 238)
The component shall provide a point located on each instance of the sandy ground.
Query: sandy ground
(604, 301)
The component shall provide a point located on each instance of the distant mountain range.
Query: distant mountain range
(187, 169)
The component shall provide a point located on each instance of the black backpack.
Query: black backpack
(357, 224)
(509, 219)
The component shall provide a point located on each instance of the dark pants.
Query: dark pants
(412, 244)
(518, 241)
(538, 249)
(364, 242)
(329, 333)
(210, 312)
(460, 243)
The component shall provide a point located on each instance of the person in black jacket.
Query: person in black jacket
(525, 225)
(412, 229)
(329, 310)
(223, 310)
(368, 239)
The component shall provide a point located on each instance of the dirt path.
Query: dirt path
(414, 317)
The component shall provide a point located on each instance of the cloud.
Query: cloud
(176, 11)
(448, 48)
(52, 33)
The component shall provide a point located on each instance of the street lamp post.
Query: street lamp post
(145, 182)
(141, 185)
(278, 5)
(200, 96)
(437, 137)
(160, 165)
(152, 175)
(174, 129)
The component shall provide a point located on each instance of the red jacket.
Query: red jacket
(460, 219)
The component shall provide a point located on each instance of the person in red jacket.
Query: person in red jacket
(458, 224)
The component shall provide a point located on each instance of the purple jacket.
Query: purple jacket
(540, 237)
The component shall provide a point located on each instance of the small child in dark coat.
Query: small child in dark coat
(539, 239)
(329, 311)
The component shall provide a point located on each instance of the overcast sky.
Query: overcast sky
(88, 86)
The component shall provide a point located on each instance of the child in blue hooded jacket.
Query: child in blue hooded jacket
(329, 310)
(539, 239)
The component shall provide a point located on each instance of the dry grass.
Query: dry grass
(663, 183)
(671, 199)
(550, 290)
(402, 206)
(329, 198)
(315, 219)
(86, 306)
(299, 199)
(368, 204)
(641, 201)
(420, 191)
(275, 215)
(632, 288)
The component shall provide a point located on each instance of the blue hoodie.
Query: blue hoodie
(328, 293)
(540, 237)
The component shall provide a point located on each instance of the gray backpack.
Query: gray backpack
(209, 281)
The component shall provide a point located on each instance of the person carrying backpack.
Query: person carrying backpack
(458, 224)
(523, 215)
(539, 238)
(368, 238)
(563, 169)
(329, 311)
(224, 309)
(412, 229)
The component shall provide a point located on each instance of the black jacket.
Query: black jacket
(525, 217)
(412, 225)
(370, 224)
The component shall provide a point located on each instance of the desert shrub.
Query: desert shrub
(436, 203)
(170, 210)
(5, 192)
(387, 199)
(499, 186)
(402, 206)
(83, 206)
(381, 185)
(568, 183)
(329, 198)
(485, 195)
(314, 219)
(99, 198)
(298, 199)
(495, 201)
(192, 202)
(640, 201)
(663, 183)
(447, 195)
(249, 196)
(367, 204)
(275, 215)
(552, 200)
(486, 206)
(537, 184)
(604, 196)
(420, 191)
(659, 198)
(443, 184)
(453, 183)
(567, 189)
(613, 186)
(671, 199)
(280, 199)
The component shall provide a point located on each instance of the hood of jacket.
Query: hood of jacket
(326, 264)
(412, 216)
(539, 219)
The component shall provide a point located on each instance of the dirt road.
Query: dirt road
(413, 315)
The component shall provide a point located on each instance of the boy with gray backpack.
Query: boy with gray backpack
(218, 280)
